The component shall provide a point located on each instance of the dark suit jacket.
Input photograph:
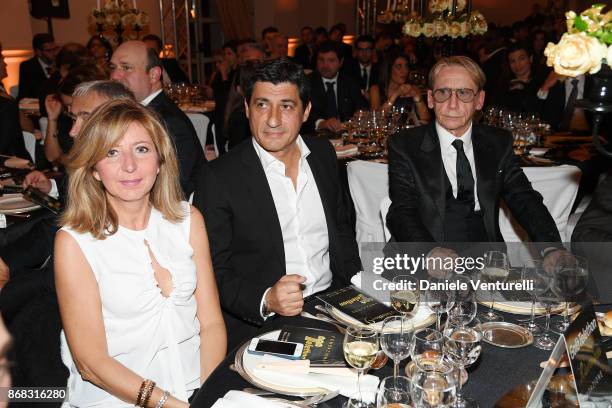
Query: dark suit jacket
(188, 148)
(11, 137)
(31, 78)
(497, 72)
(304, 55)
(354, 69)
(348, 93)
(245, 236)
(417, 186)
(174, 71)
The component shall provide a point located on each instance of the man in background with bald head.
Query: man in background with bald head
(140, 70)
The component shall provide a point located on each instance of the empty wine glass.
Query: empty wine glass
(439, 301)
(405, 294)
(433, 385)
(530, 270)
(465, 311)
(542, 282)
(360, 348)
(428, 345)
(496, 269)
(396, 339)
(394, 392)
(571, 275)
(462, 345)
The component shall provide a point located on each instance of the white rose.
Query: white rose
(440, 28)
(428, 30)
(460, 5)
(575, 54)
(465, 29)
(414, 29)
(609, 56)
(454, 29)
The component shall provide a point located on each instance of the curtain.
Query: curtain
(236, 17)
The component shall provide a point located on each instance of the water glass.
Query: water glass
(428, 345)
(496, 269)
(394, 392)
(570, 280)
(397, 339)
(433, 385)
(531, 269)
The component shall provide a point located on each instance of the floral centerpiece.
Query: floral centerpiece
(119, 17)
(585, 46)
(444, 21)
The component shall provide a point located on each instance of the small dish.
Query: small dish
(506, 335)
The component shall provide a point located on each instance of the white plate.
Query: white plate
(16, 204)
(423, 318)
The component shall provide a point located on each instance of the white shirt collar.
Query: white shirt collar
(146, 101)
(334, 79)
(267, 159)
(446, 138)
(367, 67)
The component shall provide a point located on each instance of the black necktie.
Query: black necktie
(364, 78)
(566, 119)
(331, 110)
(465, 181)
(48, 71)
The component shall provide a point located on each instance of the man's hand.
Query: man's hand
(53, 106)
(438, 256)
(332, 124)
(285, 297)
(550, 81)
(37, 180)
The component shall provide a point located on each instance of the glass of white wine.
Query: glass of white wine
(496, 270)
(405, 295)
(360, 349)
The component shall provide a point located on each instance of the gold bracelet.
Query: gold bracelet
(148, 393)
(146, 388)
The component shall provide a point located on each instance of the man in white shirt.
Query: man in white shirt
(275, 215)
(559, 95)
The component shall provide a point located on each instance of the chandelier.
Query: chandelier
(117, 17)
(434, 18)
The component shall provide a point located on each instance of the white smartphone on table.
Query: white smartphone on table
(285, 349)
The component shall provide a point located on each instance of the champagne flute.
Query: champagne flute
(462, 345)
(397, 339)
(439, 301)
(405, 294)
(428, 346)
(394, 392)
(360, 348)
(530, 270)
(570, 279)
(496, 269)
(433, 385)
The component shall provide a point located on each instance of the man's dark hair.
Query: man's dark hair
(339, 27)
(152, 60)
(231, 44)
(41, 39)
(321, 31)
(278, 71)
(268, 30)
(330, 46)
(519, 25)
(156, 39)
(305, 28)
(519, 45)
(364, 38)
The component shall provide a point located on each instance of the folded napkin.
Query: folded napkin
(346, 150)
(538, 151)
(241, 399)
(346, 385)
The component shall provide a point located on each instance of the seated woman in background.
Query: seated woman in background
(101, 50)
(393, 89)
(520, 93)
(137, 294)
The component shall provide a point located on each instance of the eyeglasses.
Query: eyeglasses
(444, 94)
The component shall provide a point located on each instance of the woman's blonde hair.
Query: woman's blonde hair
(88, 209)
(474, 71)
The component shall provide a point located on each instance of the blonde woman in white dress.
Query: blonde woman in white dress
(137, 295)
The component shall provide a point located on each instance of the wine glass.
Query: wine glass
(570, 279)
(530, 270)
(405, 294)
(496, 269)
(394, 392)
(428, 345)
(433, 385)
(396, 339)
(465, 311)
(360, 348)
(542, 282)
(439, 301)
(462, 345)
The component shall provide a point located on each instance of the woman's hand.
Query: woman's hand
(53, 106)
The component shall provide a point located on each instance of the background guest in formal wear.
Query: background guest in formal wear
(558, 97)
(305, 52)
(362, 66)
(101, 49)
(162, 321)
(34, 71)
(394, 90)
(336, 35)
(11, 137)
(221, 85)
(171, 66)
(140, 70)
(336, 96)
(279, 46)
(267, 34)
(446, 179)
(276, 219)
(235, 121)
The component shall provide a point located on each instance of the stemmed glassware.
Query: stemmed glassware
(542, 282)
(433, 385)
(462, 345)
(397, 339)
(496, 269)
(394, 392)
(428, 346)
(571, 276)
(405, 295)
(465, 311)
(531, 269)
(439, 301)
(360, 348)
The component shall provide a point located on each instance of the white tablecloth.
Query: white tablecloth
(369, 185)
